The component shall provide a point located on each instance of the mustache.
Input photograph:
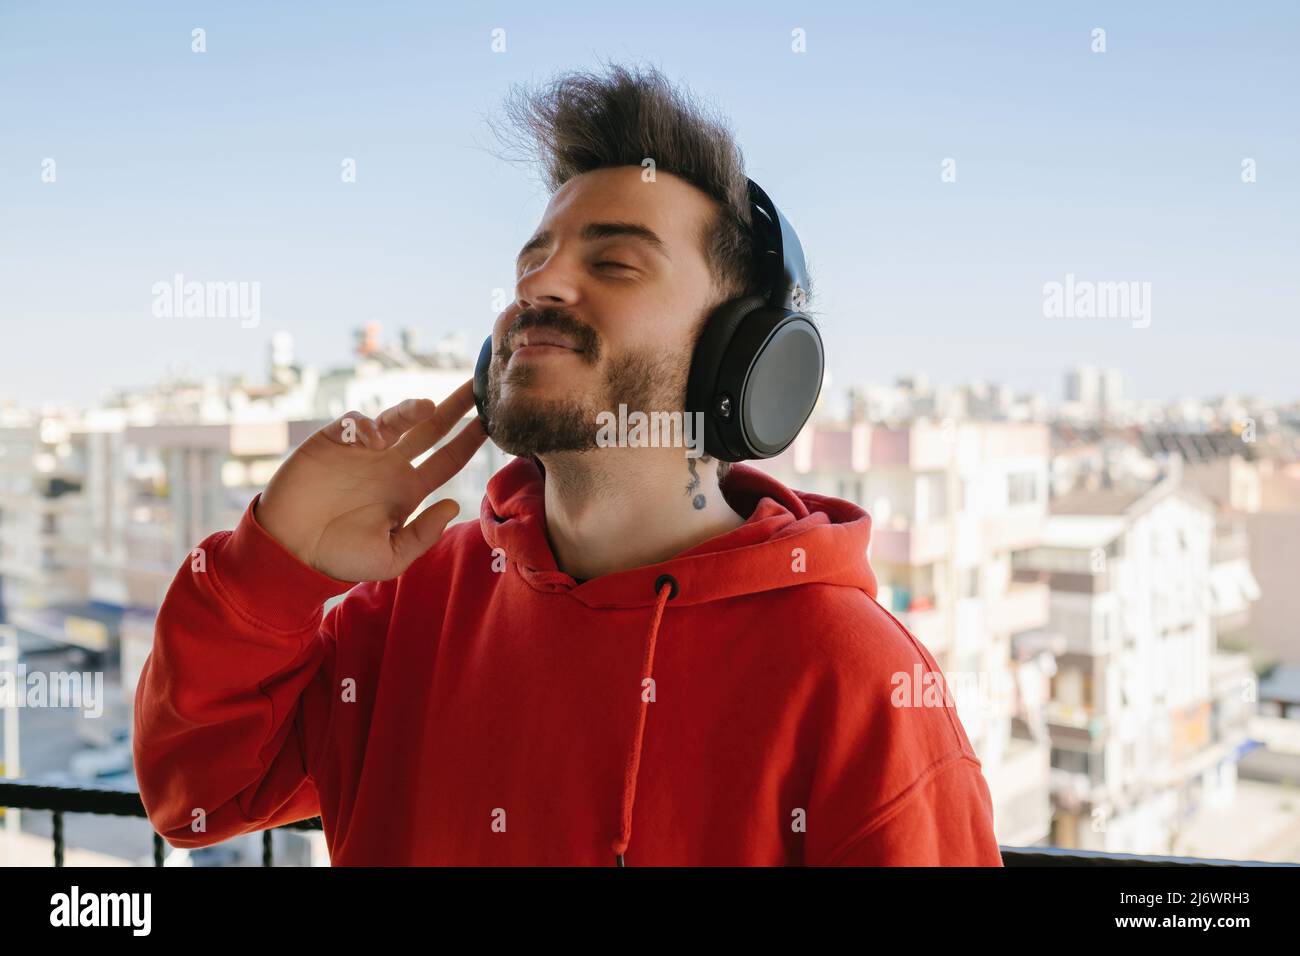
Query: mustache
(557, 320)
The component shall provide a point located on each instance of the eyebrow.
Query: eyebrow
(594, 231)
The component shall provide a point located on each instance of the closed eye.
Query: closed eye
(609, 262)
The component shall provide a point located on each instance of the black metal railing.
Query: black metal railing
(1055, 856)
(28, 795)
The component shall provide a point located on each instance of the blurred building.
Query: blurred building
(44, 532)
(1147, 718)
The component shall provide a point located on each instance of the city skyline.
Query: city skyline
(836, 392)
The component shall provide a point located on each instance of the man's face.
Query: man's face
(610, 292)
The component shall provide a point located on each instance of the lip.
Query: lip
(544, 336)
(540, 351)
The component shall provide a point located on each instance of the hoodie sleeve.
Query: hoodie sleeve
(897, 782)
(233, 703)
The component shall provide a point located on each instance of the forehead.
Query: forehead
(671, 207)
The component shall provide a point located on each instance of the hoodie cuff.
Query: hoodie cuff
(269, 582)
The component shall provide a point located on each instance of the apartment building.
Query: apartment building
(44, 521)
(1147, 719)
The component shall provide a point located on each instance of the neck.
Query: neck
(614, 509)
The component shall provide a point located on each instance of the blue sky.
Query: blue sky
(1115, 166)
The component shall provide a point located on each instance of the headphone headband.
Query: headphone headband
(778, 253)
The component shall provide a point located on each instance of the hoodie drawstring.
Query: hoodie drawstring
(634, 757)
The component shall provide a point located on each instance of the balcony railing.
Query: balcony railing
(27, 795)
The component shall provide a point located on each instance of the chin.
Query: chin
(559, 377)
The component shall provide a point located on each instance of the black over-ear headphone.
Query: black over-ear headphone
(758, 364)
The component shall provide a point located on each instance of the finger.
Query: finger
(435, 470)
(351, 428)
(425, 435)
(420, 535)
(395, 421)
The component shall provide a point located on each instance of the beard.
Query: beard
(643, 379)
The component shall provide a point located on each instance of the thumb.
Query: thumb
(421, 534)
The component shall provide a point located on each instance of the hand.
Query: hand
(341, 500)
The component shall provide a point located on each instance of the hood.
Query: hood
(751, 558)
(755, 557)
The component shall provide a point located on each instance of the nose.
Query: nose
(552, 283)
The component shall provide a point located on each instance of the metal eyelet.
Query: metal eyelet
(659, 582)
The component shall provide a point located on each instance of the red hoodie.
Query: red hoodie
(484, 708)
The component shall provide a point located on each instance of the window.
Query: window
(931, 501)
(850, 490)
(1074, 761)
(1022, 488)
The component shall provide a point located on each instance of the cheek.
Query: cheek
(641, 317)
(501, 325)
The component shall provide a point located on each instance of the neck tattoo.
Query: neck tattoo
(699, 500)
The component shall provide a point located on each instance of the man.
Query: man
(626, 635)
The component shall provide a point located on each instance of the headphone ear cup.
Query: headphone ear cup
(776, 364)
(481, 370)
(703, 391)
(756, 376)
